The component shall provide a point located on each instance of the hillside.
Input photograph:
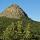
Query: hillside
(16, 25)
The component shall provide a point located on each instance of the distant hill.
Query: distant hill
(16, 25)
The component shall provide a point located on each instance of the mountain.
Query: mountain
(14, 11)
(16, 25)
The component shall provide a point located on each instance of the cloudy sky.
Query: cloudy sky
(31, 7)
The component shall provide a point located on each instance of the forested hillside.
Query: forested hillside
(16, 25)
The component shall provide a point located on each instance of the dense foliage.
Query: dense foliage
(19, 29)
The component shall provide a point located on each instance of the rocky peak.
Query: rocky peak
(13, 11)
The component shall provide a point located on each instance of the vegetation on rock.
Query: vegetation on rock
(16, 25)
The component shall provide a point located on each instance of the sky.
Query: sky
(31, 7)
